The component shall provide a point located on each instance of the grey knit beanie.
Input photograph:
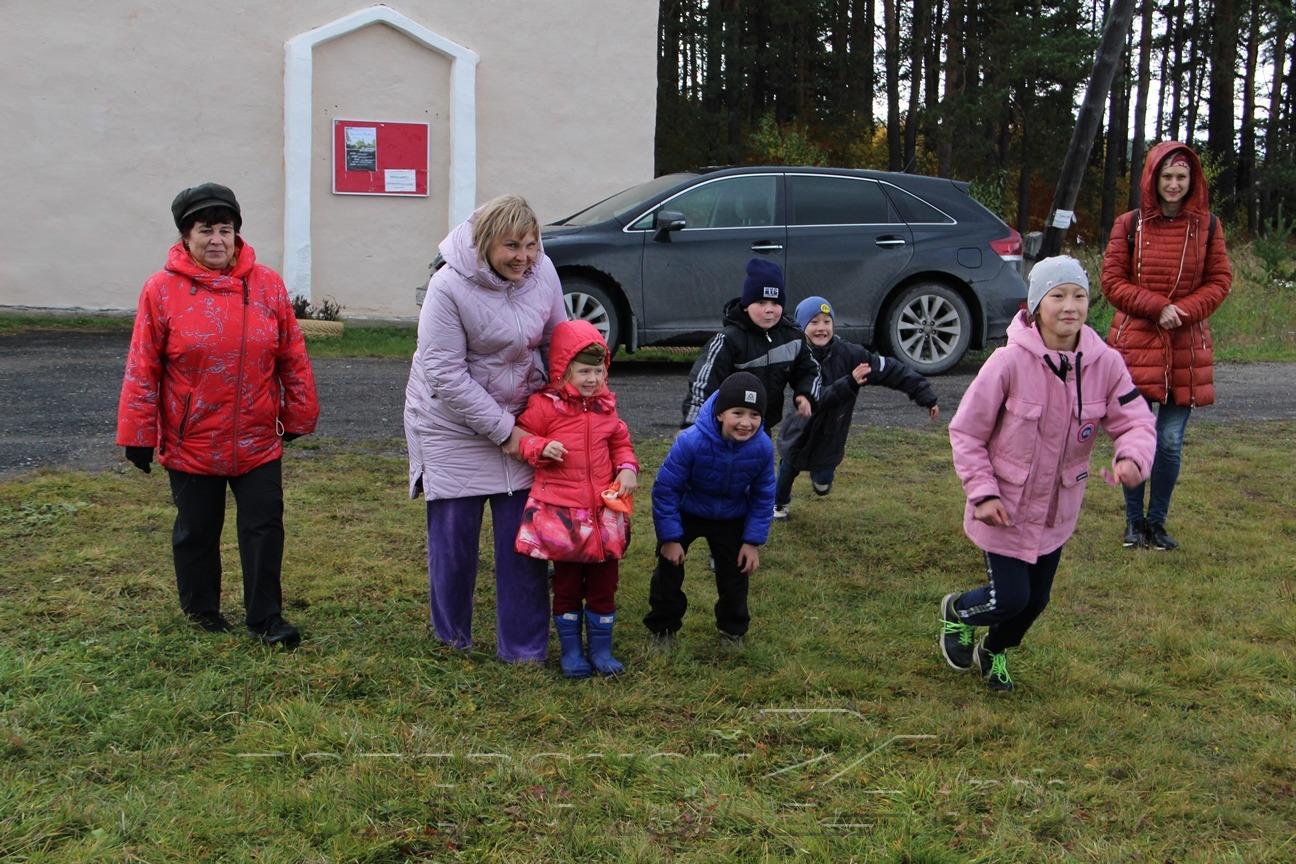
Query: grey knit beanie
(1051, 272)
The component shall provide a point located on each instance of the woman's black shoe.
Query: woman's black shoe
(277, 631)
(1135, 534)
(1159, 539)
(212, 622)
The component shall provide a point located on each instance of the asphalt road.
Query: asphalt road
(59, 391)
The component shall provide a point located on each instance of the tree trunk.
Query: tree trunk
(1194, 80)
(1140, 104)
(931, 83)
(1109, 51)
(1220, 129)
(917, 41)
(735, 67)
(1115, 146)
(892, 25)
(668, 54)
(1023, 178)
(1274, 125)
(1176, 31)
(863, 29)
(953, 88)
(1247, 157)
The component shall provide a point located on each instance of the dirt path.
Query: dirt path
(59, 392)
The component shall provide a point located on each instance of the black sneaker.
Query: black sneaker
(730, 642)
(1135, 534)
(956, 637)
(994, 668)
(212, 622)
(277, 633)
(1157, 537)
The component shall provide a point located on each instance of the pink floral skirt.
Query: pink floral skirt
(557, 533)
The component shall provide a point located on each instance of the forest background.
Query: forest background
(988, 91)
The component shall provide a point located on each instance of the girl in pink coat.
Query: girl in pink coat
(1021, 437)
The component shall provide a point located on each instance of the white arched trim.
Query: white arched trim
(298, 71)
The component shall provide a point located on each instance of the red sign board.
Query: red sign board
(376, 158)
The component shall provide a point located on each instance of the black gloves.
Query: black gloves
(290, 436)
(140, 457)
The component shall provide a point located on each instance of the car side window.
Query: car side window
(734, 202)
(815, 199)
(916, 211)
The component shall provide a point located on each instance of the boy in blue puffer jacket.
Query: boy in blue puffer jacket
(717, 482)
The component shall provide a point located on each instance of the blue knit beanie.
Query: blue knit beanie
(810, 307)
(764, 282)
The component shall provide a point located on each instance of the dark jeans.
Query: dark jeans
(1171, 421)
(595, 584)
(666, 600)
(787, 474)
(1013, 598)
(195, 539)
(521, 583)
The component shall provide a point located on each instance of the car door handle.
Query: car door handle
(760, 246)
(889, 241)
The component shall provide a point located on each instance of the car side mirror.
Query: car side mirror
(666, 221)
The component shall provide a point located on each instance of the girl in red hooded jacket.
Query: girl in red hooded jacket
(1166, 271)
(577, 515)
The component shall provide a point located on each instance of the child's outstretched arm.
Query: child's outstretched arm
(890, 372)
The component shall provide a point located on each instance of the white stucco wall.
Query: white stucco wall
(114, 106)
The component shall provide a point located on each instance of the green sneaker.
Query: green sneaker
(956, 637)
(994, 668)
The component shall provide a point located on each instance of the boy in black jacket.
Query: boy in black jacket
(817, 444)
(756, 338)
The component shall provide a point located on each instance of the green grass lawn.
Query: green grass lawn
(1153, 721)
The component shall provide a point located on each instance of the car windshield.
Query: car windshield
(624, 203)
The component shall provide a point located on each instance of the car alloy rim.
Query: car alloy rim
(929, 328)
(586, 308)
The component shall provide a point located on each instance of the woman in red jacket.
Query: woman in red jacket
(1166, 271)
(576, 514)
(217, 379)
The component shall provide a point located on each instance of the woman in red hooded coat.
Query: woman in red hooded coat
(1166, 271)
(217, 379)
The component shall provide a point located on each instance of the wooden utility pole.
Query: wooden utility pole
(1115, 30)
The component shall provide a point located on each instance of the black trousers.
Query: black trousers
(1015, 594)
(666, 600)
(195, 539)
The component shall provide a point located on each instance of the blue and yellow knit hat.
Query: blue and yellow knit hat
(810, 307)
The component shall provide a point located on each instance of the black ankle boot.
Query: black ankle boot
(1135, 534)
(1159, 539)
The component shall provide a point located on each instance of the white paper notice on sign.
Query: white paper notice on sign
(399, 180)
(1063, 218)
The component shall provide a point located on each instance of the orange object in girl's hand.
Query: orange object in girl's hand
(614, 500)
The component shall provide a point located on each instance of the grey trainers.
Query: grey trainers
(993, 667)
(730, 643)
(956, 637)
(821, 488)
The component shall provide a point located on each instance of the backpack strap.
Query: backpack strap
(1210, 232)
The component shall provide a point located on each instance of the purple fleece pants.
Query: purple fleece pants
(521, 583)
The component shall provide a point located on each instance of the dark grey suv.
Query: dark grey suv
(913, 265)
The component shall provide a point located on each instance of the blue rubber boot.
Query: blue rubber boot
(599, 629)
(573, 662)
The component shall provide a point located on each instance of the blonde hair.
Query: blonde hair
(507, 216)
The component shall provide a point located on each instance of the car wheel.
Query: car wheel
(929, 327)
(590, 302)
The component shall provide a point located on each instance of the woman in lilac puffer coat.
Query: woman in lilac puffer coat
(488, 314)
